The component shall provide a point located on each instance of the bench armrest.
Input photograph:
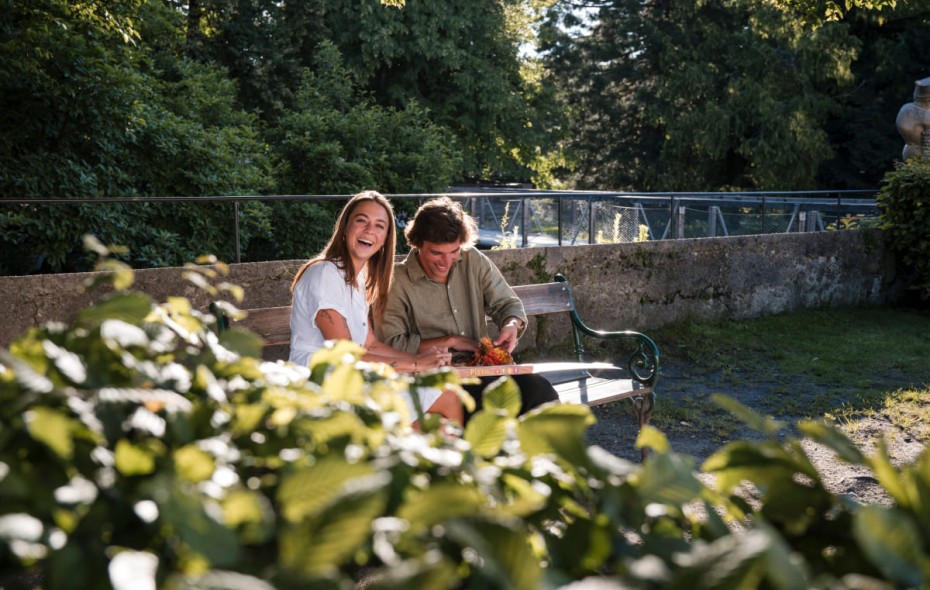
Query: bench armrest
(643, 362)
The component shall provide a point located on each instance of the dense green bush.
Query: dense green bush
(139, 449)
(905, 204)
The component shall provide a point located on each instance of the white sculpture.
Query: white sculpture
(913, 122)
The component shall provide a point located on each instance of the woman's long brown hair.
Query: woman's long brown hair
(380, 266)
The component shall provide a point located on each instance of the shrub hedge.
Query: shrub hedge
(905, 203)
(141, 449)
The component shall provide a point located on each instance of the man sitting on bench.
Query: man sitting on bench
(445, 289)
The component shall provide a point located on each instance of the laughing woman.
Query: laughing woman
(340, 291)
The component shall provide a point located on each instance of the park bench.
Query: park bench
(581, 381)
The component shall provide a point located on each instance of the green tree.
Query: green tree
(459, 59)
(679, 95)
(90, 108)
(337, 141)
(895, 51)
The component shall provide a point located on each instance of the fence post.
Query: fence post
(236, 213)
(802, 221)
(812, 220)
(762, 224)
(636, 208)
(712, 221)
(591, 224)
(681, 223)
(524, 219)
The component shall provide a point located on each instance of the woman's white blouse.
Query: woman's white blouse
(323, 286)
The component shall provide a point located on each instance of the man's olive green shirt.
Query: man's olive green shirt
(420, 308)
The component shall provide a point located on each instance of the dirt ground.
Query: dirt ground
(616, 431)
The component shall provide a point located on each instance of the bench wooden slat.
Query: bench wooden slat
(594, 391)
(544, 298)
(273, 324)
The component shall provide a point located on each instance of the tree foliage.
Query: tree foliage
(160, 98)
(139, 448)
(894, 53)
(459, 60)
(700, 95)
(905, 204)
(161, 102)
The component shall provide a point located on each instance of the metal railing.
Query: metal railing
(522, 218)
(530, 218)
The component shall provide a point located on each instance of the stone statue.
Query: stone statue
(913, 122)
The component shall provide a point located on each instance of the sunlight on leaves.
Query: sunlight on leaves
(52, 428)
(194, 464)
(503, 394)
(486, 431)
(133, 460)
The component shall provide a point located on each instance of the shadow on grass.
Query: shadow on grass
(841, 364)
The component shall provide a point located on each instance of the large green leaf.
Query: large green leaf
(243, 342)
(507, 561)
(524, 497)
(308, 491)
(131, 308)
(730, 563)
(761, 463)
(486, 432)
(831, 437)
(320, 544)
(194, 464)
(344, 383)
(441, 502)
(503, 394)
(669, 479)
(888, 475)
(251, 513)
(893, 544)
(650, 437)
(763, 424)
(558, 429)
(185, 510)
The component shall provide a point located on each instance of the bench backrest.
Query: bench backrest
(273, 324)
(545, 298)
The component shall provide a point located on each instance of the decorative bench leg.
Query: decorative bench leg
(643, 406)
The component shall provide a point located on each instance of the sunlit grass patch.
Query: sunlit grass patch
(908, 409)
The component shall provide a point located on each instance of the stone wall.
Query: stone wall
(637, 286)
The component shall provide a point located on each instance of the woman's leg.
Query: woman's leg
(449, 407)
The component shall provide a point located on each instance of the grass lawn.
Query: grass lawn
(843, 364)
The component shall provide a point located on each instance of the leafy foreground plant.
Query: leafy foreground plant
(139, 449)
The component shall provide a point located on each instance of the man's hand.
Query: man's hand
(457, 343)
(507, 338)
